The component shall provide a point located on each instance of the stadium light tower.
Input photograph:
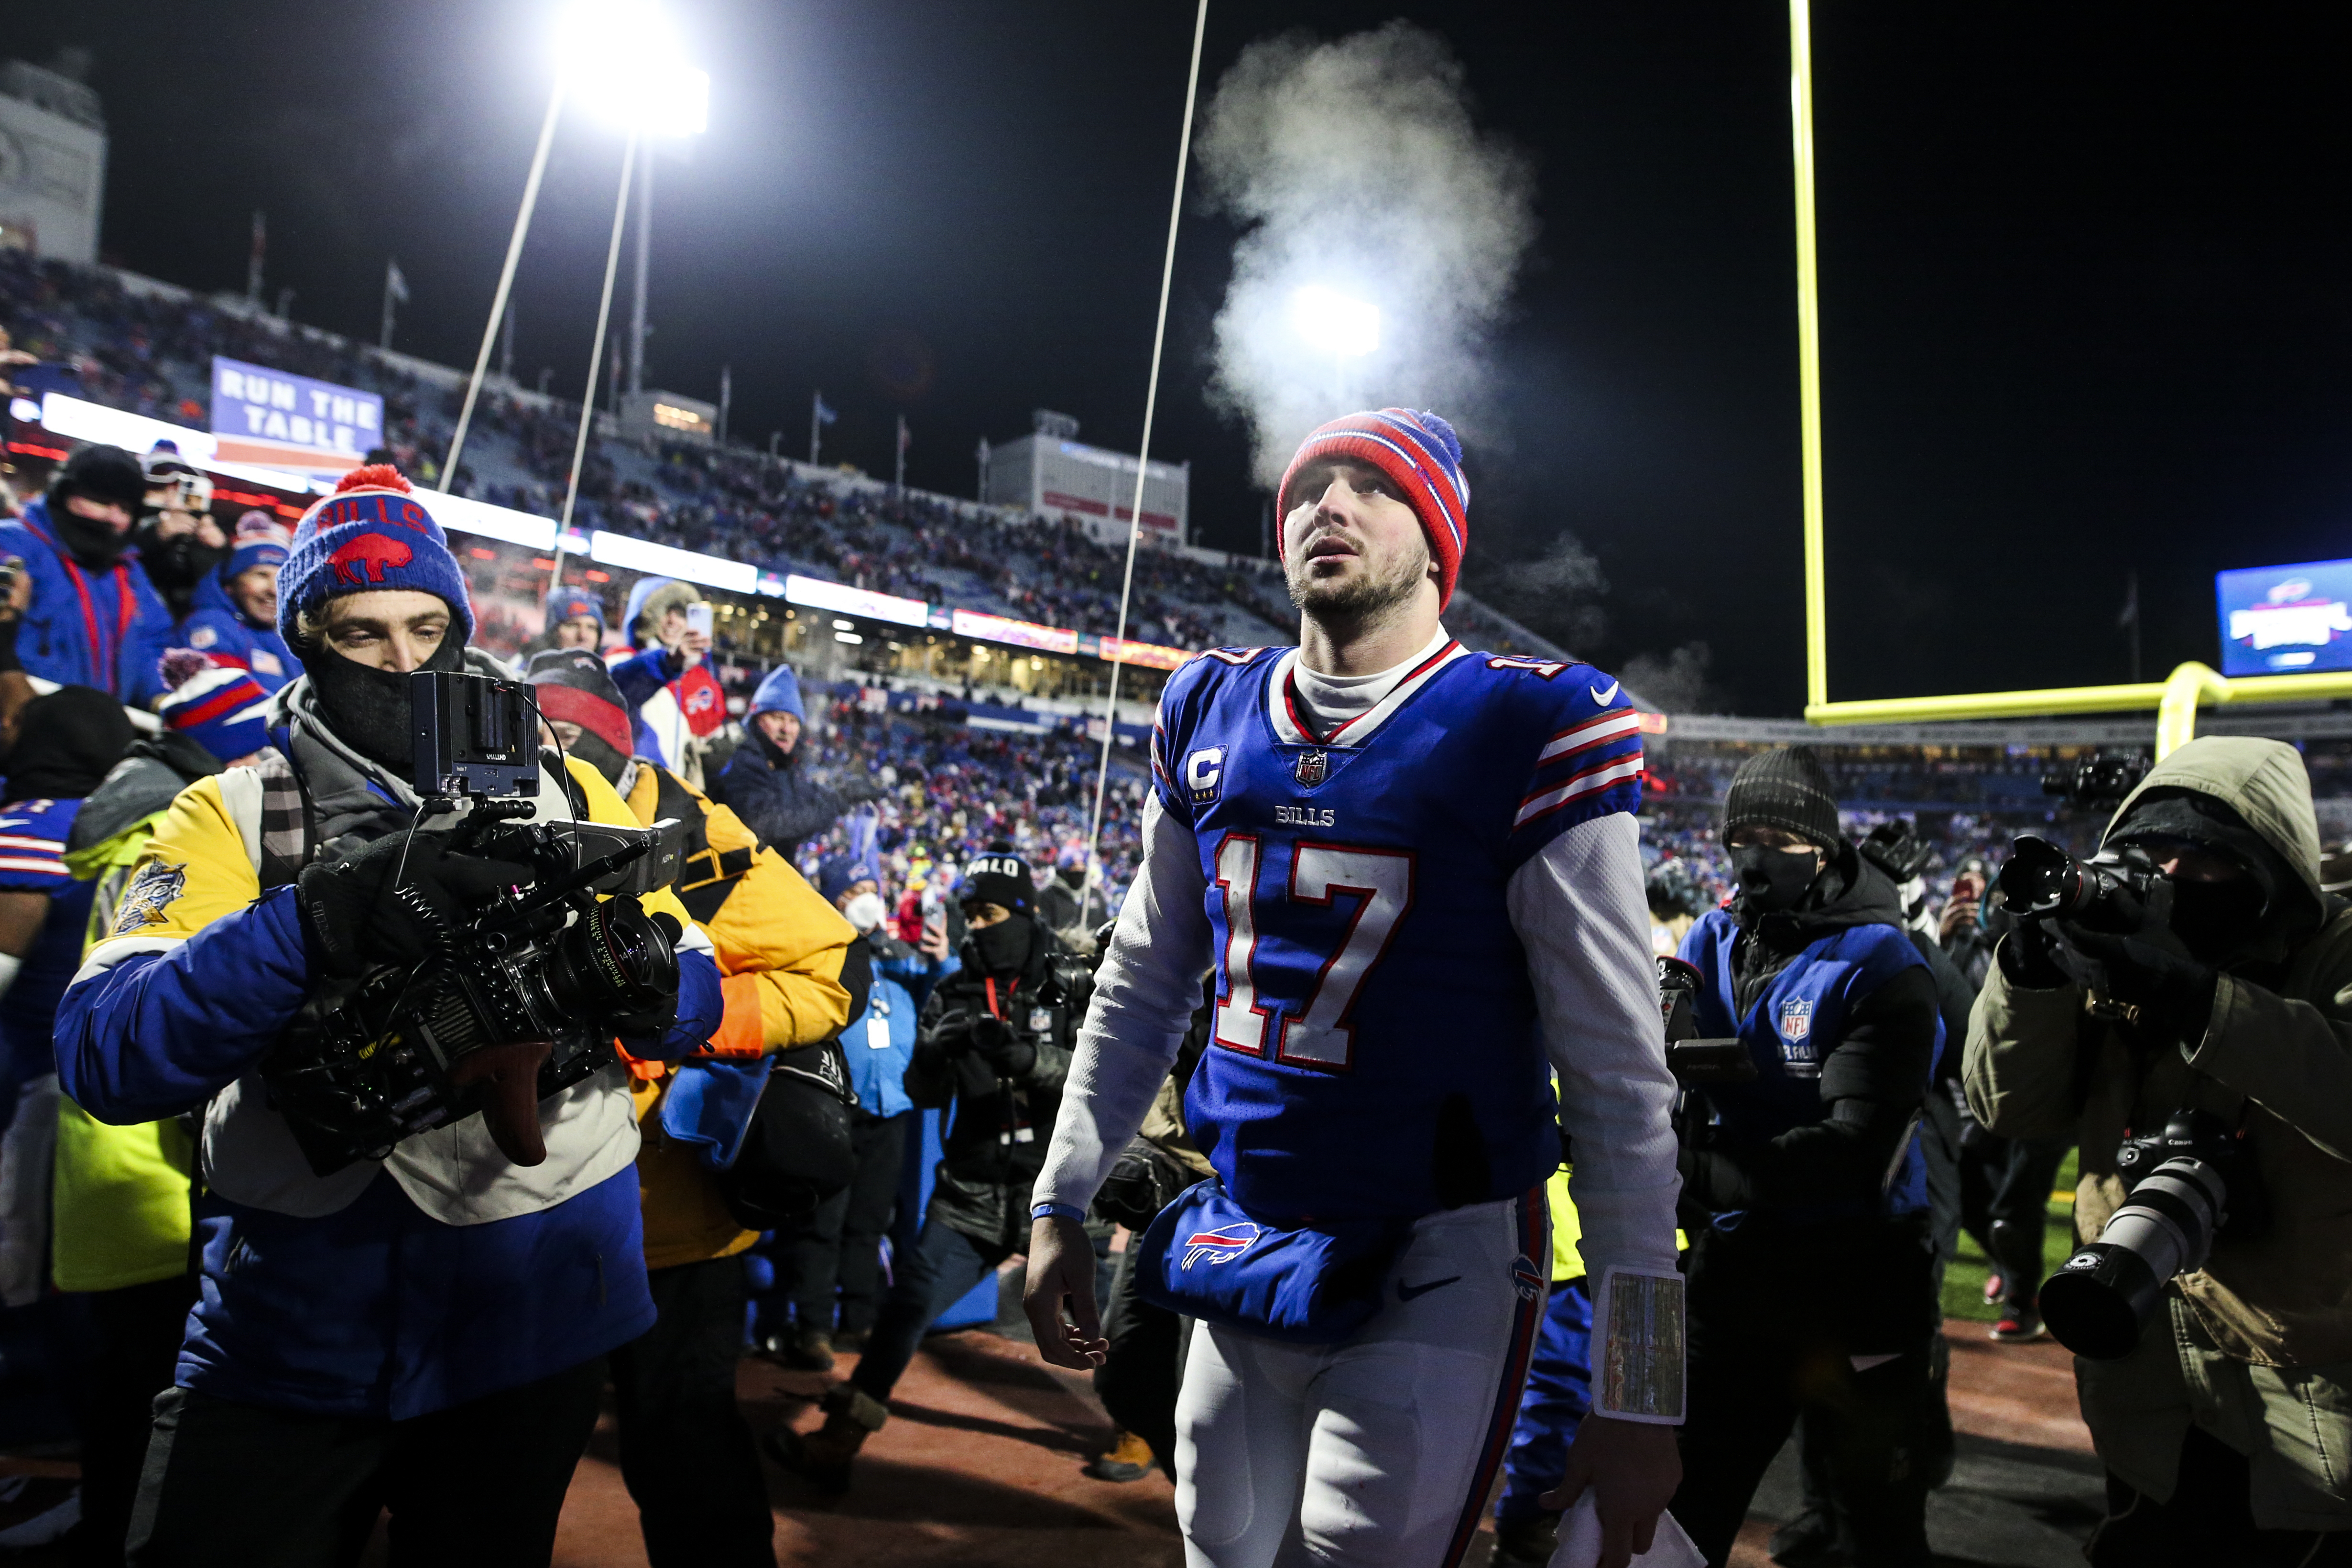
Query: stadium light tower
(629, 61)
(622, 60)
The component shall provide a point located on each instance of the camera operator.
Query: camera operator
(1812, 1281)
(2217, 985)
(93, 618)
(423, 1331)
(995, 1044)
(687, 1455)
(178, 541)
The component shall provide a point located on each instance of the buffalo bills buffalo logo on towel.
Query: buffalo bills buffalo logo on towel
(1222, 1244)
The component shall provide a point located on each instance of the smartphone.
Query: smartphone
(697, 618)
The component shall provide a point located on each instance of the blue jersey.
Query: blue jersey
(1376, 1050)
(1794, 1026)
(32, 860)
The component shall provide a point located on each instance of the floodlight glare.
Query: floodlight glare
(1335, 323)
(622, 59)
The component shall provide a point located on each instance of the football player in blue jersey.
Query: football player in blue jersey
(1414, 871)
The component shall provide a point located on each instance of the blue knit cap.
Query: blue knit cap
(779, 693)
(262, 541)
(571, 604)
(839, 873)
(374, 533)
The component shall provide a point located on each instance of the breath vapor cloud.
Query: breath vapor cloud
(1354, 168)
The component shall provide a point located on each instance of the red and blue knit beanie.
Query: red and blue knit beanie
(215, 703)
(1421, 454)
(374, 533)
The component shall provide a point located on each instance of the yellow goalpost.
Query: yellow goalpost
(2175, 699)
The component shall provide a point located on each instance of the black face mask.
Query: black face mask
(95, 544)
(367, 709)
(1773, 879)
(2217, 920)
(179, 562)
(1002, 948)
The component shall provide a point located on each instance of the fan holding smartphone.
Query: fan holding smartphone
(671, 684)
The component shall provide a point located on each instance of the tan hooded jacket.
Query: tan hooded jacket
(2037, 1064)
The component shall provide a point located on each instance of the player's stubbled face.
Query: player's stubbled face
(1350, 545)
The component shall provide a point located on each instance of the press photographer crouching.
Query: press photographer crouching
(2180, 1005)
(421, 1232)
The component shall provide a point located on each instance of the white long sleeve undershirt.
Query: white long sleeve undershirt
(1579, 908)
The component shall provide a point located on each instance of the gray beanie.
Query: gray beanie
(1786, 788)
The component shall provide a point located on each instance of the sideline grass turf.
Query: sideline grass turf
(1964, 1277)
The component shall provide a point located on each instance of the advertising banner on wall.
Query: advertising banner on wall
(285, 421)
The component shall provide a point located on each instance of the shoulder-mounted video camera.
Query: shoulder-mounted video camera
(541, 977)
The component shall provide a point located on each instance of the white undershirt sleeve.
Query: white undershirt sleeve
(1579, 908)
(1145, 993)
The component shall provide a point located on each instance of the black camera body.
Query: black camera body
(1695, 1063)
(2105, 891)
(398, 1052)
(2099, 781)
(2183, 1186)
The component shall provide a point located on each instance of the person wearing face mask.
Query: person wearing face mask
(1812, 1263)
(178, 541)
(992, 1049)
(766, 782)
(2222, 1430)
(841, 1247)
(93, 617)
(790, 979)
(423, 1331)
(234, 620)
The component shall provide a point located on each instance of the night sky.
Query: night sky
(2087, 276)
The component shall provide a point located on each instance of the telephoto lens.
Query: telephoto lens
(2102, 1298)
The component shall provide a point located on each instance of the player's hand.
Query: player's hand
(1062, 1270)
(1633, 1467)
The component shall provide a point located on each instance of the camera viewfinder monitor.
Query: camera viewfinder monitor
(2285, 620)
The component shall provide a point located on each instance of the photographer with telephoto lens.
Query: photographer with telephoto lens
(2179, 1003)
(420, 1327)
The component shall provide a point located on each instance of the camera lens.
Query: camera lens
(2040, 877)
(614, 959)
(2102, 1298)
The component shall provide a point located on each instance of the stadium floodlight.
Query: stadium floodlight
(1329, 321)
(622, 59)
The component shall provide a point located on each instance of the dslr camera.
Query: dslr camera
(2182, 1185)
(2107, 891)
(1695, 1063)
(557, 967)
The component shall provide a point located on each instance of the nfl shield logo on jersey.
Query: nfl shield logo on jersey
(1798, 1057)
(1313, 768)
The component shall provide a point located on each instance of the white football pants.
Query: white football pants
(1378, 1451)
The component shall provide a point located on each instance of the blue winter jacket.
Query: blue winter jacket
(217, 627)
(103, 629)
(375, 1310)
(880, 1040)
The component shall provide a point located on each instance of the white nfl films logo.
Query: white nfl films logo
(1204, 769)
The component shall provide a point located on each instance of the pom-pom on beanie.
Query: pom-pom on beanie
(262, 541)
(374, 533)
(1421, 455)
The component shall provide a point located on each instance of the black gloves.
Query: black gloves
(2138, 971)
(355, 921)
(989, 1039)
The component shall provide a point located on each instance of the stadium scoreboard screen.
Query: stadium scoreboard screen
(2285, 620)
